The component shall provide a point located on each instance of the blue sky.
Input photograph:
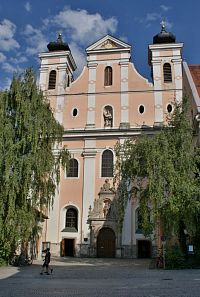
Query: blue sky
(27, 26)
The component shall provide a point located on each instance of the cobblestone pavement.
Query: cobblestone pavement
(98, 277)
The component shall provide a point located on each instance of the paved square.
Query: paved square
(98, 277)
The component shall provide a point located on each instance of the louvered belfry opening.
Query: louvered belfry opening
(52, 80)
(167, 73)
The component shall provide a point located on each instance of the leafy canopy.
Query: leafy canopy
(161, 171)
(29, 167)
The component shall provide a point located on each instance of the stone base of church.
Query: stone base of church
(86, 251)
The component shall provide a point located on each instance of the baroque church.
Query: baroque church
(108, 103)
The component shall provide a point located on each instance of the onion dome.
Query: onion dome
(164, 36)
(58, 45)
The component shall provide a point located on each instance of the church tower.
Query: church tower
(165, 59)
(56, 74)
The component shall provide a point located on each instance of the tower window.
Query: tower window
(108, 76)
(107, 164)
(73, 168)
(52, 80)
(167, 73)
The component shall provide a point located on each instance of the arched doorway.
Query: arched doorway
(106, 243)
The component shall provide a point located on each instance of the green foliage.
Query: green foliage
(29, 163)
(174, 258)
(161, 171)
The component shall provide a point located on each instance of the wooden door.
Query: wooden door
(69, 247)
(106, 243)
(144, 249)
(62, 248)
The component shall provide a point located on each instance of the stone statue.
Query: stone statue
(106, 186)
(106, 208)
(107, 117)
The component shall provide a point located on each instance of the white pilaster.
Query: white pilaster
(43, 78)
(158, 100)
(91, 95)
(89, 155)
(124, 93)
(178, 77)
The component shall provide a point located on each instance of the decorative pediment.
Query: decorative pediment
(108, 43)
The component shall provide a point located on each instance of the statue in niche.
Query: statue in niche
(106, 186)
(107, 114)
(106, 208)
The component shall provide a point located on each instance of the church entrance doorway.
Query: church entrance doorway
(67, 248)
(106, 243)
(144, 249)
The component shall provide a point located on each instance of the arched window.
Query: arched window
(71, 222)
(167, 73)
(52, 80)
(107, 164)
(108, 76)
(73, 168)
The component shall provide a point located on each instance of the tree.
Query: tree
(29, 167)
(167, 165)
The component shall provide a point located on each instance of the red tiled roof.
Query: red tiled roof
(195, 72)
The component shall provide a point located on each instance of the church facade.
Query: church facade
(109, 102)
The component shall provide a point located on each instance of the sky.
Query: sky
(26, 27)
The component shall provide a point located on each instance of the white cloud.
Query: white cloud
(2, 57)
(153, 17)
(83, 27)
(164, 7)
(168, 24)
(5, 84)
(35, 39)
(7, 31)
(27, 6)
(10, 68)
(18, 60)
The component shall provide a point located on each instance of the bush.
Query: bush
(3, 262)
(174, 258)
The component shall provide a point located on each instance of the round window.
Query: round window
(141, 109)
(75, 112)
(169, 108)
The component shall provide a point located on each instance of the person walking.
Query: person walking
(47, 260)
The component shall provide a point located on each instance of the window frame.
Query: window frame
(167, 73)
(108, 76)
(78, 167)
(53, 87)
(107, 176)
(71, 220)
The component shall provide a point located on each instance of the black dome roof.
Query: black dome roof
(58, 45)
(164, 36)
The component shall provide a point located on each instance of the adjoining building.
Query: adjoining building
(109, 102)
